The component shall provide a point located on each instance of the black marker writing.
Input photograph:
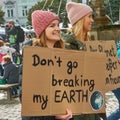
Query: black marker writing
(112, 80)
(71, 96)
(111, 65)
(41, 99)
(37, 60)
(81, 82)
(71, 65)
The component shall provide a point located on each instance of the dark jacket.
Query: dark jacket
(11, 73)
(13, 32)
(39, 118)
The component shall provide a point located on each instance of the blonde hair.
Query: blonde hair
(77, 29)
(42, 43)
(6, 58)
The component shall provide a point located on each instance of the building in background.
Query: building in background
(17, 10)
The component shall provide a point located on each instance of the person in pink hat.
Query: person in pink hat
(46, 27)
(80, 17)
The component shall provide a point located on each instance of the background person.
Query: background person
(11, 73)
(11, 32)
(80, 17)
(46, 27)
(4, 50)
(1, 56)
(116, 114)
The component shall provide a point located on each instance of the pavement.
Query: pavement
(11, 110)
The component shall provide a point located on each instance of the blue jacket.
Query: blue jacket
(118, 51)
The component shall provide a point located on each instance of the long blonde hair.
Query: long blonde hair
(42, 42)
(77, 29)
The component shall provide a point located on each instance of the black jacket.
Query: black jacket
(39, 118)
(11, 31)
(11, 73)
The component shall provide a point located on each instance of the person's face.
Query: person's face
(52, 33)
(88, 20)
(10, 25)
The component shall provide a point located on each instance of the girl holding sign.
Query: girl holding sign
(46, 27)
(80, 17)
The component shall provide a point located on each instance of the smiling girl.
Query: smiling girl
(46, 27)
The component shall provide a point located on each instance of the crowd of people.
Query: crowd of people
(11, 56)
(48, 34)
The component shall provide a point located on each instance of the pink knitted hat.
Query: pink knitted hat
(76, 11)
(41, 19)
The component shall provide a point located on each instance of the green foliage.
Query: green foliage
(1, 16)
(112, 9)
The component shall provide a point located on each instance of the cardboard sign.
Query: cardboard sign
(112, 79)
(56, 79)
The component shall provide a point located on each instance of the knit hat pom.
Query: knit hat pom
(41, 19)
(77, 11)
